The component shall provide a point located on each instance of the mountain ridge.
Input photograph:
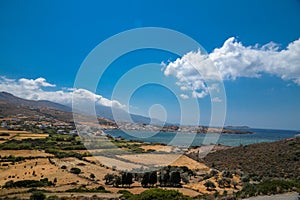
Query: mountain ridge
(16, 104)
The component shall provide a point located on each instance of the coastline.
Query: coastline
(176, 129)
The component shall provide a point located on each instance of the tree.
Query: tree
(123, 179)
(126, 179)
(153, 178)
(145, 180)
(164, 178)
(175, 178)
(92, 176)
(209, 185)
(109, 178)
(37, 195)
(129, 178)
(117, 181)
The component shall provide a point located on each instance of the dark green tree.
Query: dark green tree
(129, 178)
(117, 181)
(145, 180)
(164, 179)
(175, 178)
(209, 185)
(153, 178)
(109, 178)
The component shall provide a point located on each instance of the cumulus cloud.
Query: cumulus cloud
(193, 71)
(35, 89)
(234, 60)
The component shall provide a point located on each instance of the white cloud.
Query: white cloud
(234, 60)
(184, 96)
(34, 89)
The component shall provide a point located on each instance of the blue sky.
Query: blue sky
(50, 39)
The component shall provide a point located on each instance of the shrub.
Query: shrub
(158, 193)
(268, 187)
(125, 194)
(37, 195)
(209, 185)
(28, 183)
(92, 176)
(75, 170)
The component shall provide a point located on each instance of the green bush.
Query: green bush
(158, 193)
(75, 170)
(268, 187)
(37, 195)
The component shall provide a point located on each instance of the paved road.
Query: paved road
(289, 196)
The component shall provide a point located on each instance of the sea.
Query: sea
(190, 139)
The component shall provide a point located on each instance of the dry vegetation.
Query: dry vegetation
(277, 159)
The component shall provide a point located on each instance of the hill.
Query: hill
(277, 159)
(11, 99)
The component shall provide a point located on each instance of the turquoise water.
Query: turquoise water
(184, 139)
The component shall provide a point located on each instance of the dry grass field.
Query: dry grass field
(158, 147)
(25, 153)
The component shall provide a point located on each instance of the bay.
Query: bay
(186, 139)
